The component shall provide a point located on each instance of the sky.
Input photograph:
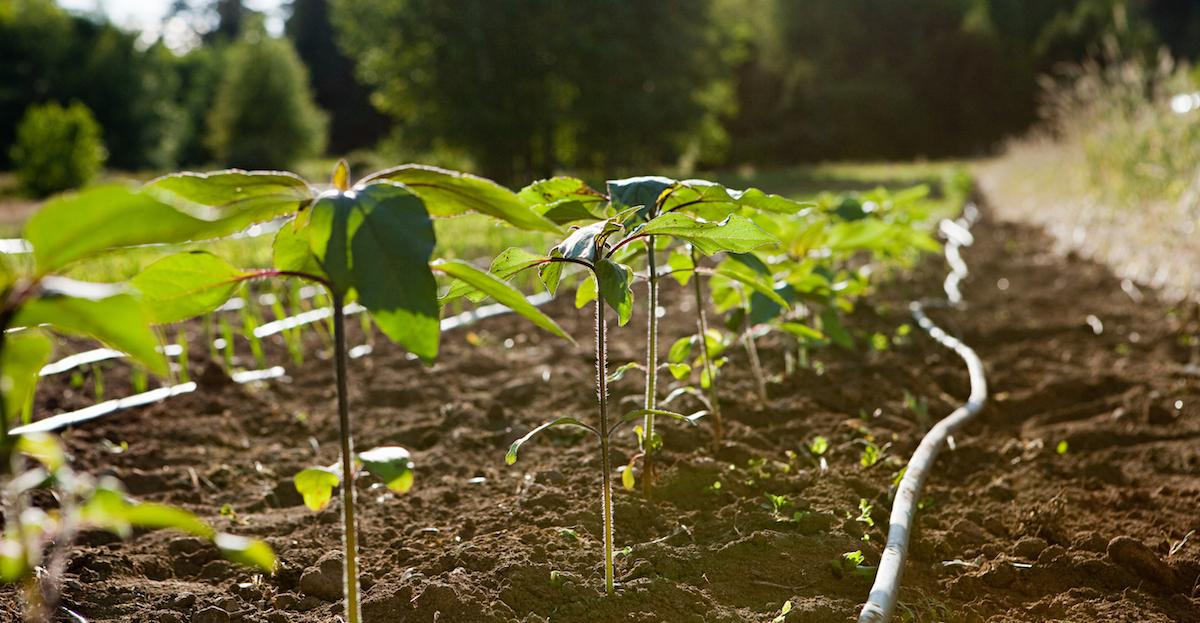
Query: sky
(146, 16)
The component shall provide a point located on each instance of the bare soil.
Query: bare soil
(1012, 529)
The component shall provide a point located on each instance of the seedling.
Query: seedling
(68, 229)
(372, 242)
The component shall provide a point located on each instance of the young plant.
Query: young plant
(36, 543)
(609, 285)
(371, 242)
(70, 229)
(645, 206)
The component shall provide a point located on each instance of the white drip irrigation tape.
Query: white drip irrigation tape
(881, 602)
(71, 418)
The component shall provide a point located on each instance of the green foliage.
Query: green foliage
(52, 55)
(263, 115)
(526, 88)
(57, 148)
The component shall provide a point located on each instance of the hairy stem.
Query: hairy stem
(709, 368)
(349, 527)
(606, 468)
(651, 368)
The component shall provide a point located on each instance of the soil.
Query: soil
(1069, 499)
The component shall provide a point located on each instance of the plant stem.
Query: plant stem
(606, 468)
(651, 368)
(760, 381)
(709, 368)
(349, 527)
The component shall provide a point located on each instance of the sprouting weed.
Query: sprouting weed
(777, 503)
(1062, 447)
(569, 534)
(818, 446)
(864, 513)
(870, 455)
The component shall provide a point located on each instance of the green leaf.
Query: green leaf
(14, 562)
(551, 274)
(563, 200)
(586, 292)
(102, 311)
(292, 252)
(761, 284)
(24, 354)
(583, 243)
(316, 485)
(79, 225)
(644, 192)
(619, 373)
(614, 282)
(160, 516)
(341, 176)
(627, 479)
(245, 551)
(711, 199)
(510, 262)
(234, 197)
(447, 193)
(186, 285)
(682, 267)
(43, 448)
(679, 370)
(831, 326)
(802, 331)
(681, 350)
(391, 464)
(377, 240)
(640, 413)
(511, 456)
(504, 294)
(734, 233)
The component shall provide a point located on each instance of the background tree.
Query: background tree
(264, 115)
(353, 122)
(527, 86)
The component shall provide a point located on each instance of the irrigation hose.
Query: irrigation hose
(881, 602)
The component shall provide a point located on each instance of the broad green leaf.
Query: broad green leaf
(102, 311)
(639, 192)
(504, 294)
(551, 274)
(43, 448)
(680, 370)
(682, 267)
(735, 233)
(564, 200)
(245, 551)
(234, 197)
(586, 292)
(614, 281)
(79, 225)
(377, 240)
(447, 193)
(24, 354)
(391, 464)
(159, 516)
(714, 200)
(511, 456)
(583, 243)
(761, 284)
(316, 485)
(680, 350)
(510, 262)
(186, 285)
(292, 252)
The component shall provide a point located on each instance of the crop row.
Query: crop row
(763, 262)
